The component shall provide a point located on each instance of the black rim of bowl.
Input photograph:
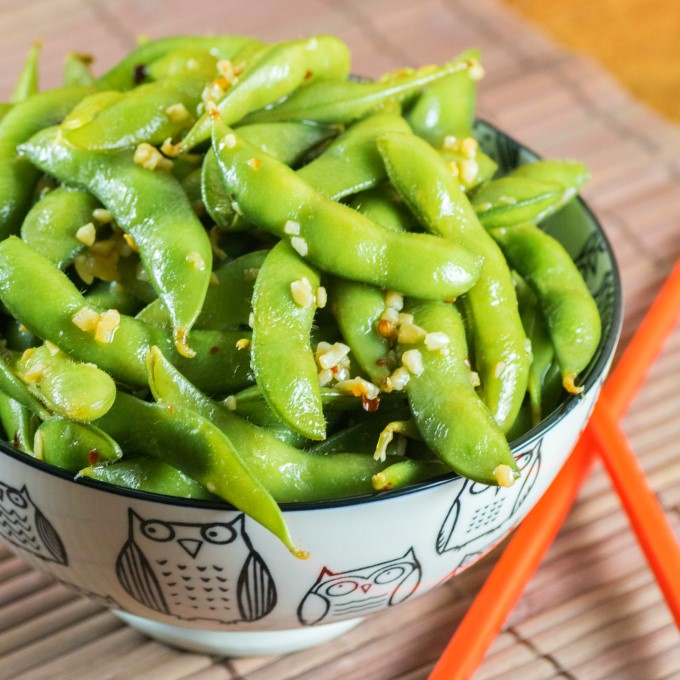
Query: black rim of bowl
(594, 375)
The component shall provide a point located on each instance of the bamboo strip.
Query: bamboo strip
(33, 605)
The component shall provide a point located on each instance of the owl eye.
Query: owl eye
(341, 588)
(218, 533)
(389, 575)
(157, 531)
(16, 498)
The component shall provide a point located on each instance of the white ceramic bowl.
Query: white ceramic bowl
(203, 576)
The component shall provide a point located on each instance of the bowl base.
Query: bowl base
(238, 643)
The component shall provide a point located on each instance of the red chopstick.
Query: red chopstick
(645, 513)
(535, 534)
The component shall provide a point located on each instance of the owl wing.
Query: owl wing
(50, 538)
(312, 609)
(256, 593)
(137, 577)
(448, 528)
(409, 584)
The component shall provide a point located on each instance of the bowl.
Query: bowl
(203, 576)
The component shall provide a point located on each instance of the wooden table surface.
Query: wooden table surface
(593, 610)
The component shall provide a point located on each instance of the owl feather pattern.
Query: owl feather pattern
(195, 571)
(23, 524)
(356, 592)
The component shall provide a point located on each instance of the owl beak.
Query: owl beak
(190, 546)
(366, 587)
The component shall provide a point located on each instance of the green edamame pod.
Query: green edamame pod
(86, 110)
(121, 349)
(150, 475)
(5, 108)
(275, 72)
(352, 162)
(502, 357)
(334, 237)
(227, 303)
(406, 472)
(18, 423)
(80, 392)
(287, 142)
(284, 302)
(570, 312)
(190, 60)
(289, 474)
(150, 113)
(195, 446)
(357, 308)
(131, 70)
(524, 421)
(77, 69)
(17, 176)
(151, 206)
(71, 445)
(384, 207)
(511, 200)
(51, 225)
(341, 101)
(471, 172)
(17, 337)
(27, 84)
(446, 108)
(452, 419)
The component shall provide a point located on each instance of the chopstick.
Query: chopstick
(644, 511)
(533, 537)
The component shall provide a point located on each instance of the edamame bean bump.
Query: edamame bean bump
(502, 355)
(332, 236)
(569, 310)
(152, 208)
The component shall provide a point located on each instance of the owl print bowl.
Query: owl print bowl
(203, 576)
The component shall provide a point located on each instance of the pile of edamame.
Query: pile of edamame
(228, 269)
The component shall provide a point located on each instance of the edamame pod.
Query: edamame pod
(352, 163)
(274, 73)
(454, 422)
(406, 472)
(343, 101)
(332, 236)
(189, 60)
(284, 302)
(51, 225)
(151, 206)
(150, 475)
(114, 295)
(14, 388)
(27, 83)
(131, 70)
(73, 390)
(77, 69)
(192, 444)
(502, 357)
(18, 422)
(570, 312)
(71, 445)
(17, 175)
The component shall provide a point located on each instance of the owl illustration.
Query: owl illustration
(23, 524)
(356, 592)
(195, 571)
(479, 511)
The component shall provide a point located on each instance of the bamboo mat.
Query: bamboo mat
(593, 610)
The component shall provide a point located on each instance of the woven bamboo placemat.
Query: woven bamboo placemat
(593, 610)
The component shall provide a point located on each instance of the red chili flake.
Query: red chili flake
(308, 74)
(17, 440)
(214, 350)
(335, 370)
(370, 405)
(93, 456)
(385, 328)
(381, 362)
(139, 73)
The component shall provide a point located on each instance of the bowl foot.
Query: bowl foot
(238, 643)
